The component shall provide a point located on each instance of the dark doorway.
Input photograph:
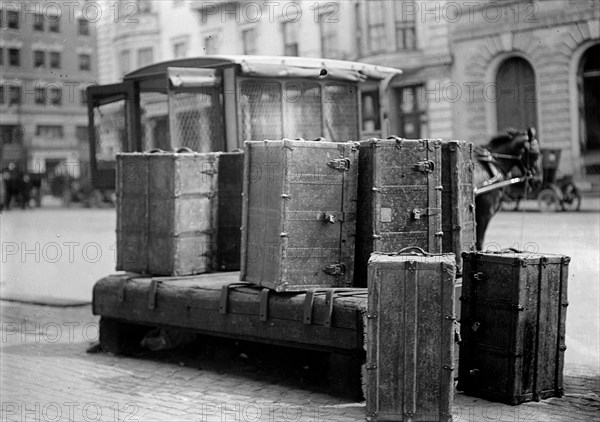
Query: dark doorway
(516, 95)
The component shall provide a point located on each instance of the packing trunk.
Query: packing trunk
(299, 214)
(458, 198)
(178, 213)
(399, 196)
(410, 337)
(513, 326)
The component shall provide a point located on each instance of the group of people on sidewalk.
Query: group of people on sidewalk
(18, 186)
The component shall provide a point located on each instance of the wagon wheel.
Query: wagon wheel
(548, 200)
(571, 200)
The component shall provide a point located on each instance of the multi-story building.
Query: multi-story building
(47, 60)
(532, 63)
(461, 60)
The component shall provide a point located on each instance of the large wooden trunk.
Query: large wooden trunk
(513, 326)
(399, 197)
(410, 343)
(299, 214)
(175, 214)
(458, 199)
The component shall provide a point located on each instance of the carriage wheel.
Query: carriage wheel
(548, 200)
(571, 200)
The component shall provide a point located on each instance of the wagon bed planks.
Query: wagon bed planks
(248, 312)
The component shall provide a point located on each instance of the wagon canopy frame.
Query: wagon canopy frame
(214, 103)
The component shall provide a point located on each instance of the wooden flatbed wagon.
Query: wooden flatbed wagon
(212, 104)
(216, 304)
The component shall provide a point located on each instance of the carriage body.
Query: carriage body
(215, 103)
(551, 193)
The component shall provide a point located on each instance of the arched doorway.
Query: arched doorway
(589, 107)
(515, 95)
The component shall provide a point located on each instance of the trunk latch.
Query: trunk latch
(424, 166)
(335, 269)
(417, 213)
(340, 164)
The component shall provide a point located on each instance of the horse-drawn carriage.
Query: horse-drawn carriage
(551, 193)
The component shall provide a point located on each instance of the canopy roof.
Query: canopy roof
(273, 66)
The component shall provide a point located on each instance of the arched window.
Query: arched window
(589, 104)
(516, 97)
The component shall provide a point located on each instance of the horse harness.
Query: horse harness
(497, 175)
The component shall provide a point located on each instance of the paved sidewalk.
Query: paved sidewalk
(46, 375)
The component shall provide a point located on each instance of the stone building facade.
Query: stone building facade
(470, 68)
(47, 60)
(532, 64)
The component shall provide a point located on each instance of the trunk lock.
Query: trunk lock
(426, 166)
(340, 164)
(335, 269)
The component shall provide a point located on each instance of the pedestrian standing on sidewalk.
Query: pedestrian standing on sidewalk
(11, 178)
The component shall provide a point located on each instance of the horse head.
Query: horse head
(517, 152)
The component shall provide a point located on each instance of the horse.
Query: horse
(504, 157)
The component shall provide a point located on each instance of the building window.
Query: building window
(54, 24)
(405, 27)
(125, 61)
(249, 41)
(12, 19)
(83, 97)
(290, 39)
(376, 26)
(210, 44)
(329, 35)
(370, 111)
(145, 56)
(2, 100)
(39, 58)
(179, 49)
(38, 22)
(14, 94)
(50, 132)
(55, 96)
(83, 27)
(412, 112)
(11, 134)
(1, 56)
(85, 62)
(40, 95)
(54, 60)
(81, 133)
(14, 57)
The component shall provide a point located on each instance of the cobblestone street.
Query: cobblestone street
(48, 376)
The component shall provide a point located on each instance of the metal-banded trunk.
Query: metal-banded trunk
(399, 196)
(170, 212)
(513, 326)
(458, 198)
(299, 214)
(410, 341)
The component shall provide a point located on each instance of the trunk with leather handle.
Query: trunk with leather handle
(410, 325)
(513, 325)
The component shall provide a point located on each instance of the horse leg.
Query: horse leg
(486, 206)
